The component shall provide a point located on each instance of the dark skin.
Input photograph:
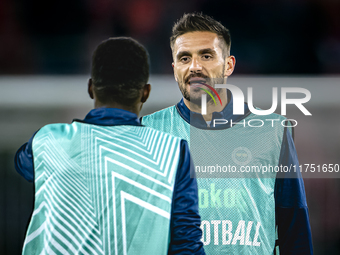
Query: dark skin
(134, 108)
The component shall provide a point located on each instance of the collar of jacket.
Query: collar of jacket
(110, 117)
(197, 120)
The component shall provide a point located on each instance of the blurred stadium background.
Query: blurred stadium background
(45, 53)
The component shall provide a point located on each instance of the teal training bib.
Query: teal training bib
(238, 214)
(102, 190)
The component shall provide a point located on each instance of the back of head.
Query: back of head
(120, 69)
(198, 22)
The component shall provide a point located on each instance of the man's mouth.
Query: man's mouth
(196, 81)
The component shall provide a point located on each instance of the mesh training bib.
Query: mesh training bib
(102, 190)
(237, 208)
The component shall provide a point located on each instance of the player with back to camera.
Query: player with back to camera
(107, 184)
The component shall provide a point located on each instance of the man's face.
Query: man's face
(198, 58)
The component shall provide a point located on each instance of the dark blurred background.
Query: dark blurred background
(268, 37)
(46, 48)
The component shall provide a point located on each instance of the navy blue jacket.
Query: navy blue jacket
(185, 220)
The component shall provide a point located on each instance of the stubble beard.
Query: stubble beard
(197, 99)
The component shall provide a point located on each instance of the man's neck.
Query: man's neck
(211, 107)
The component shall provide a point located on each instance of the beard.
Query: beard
(195, 94)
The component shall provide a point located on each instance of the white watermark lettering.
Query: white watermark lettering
(238, 100)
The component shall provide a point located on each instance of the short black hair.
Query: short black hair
(198, 22)
(120, 69)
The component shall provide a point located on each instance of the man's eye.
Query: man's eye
(184, 59)
(206, 57)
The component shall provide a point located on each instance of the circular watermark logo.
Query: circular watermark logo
(241, 156)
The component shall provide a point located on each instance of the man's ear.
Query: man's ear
(90, 88)
(229, 66)
(145, 93)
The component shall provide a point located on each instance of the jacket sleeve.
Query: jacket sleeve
(292, 217)
(23, 160)
(185, 220)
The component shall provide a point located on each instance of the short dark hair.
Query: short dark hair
(198, 22)
(120, 68)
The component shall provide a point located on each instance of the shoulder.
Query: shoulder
(161, 120)
(166, 112)
(267, 116)
(273, 119)
(284, 122)
(57, 130)
(55, 127)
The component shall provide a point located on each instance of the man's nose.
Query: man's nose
(195, 66)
